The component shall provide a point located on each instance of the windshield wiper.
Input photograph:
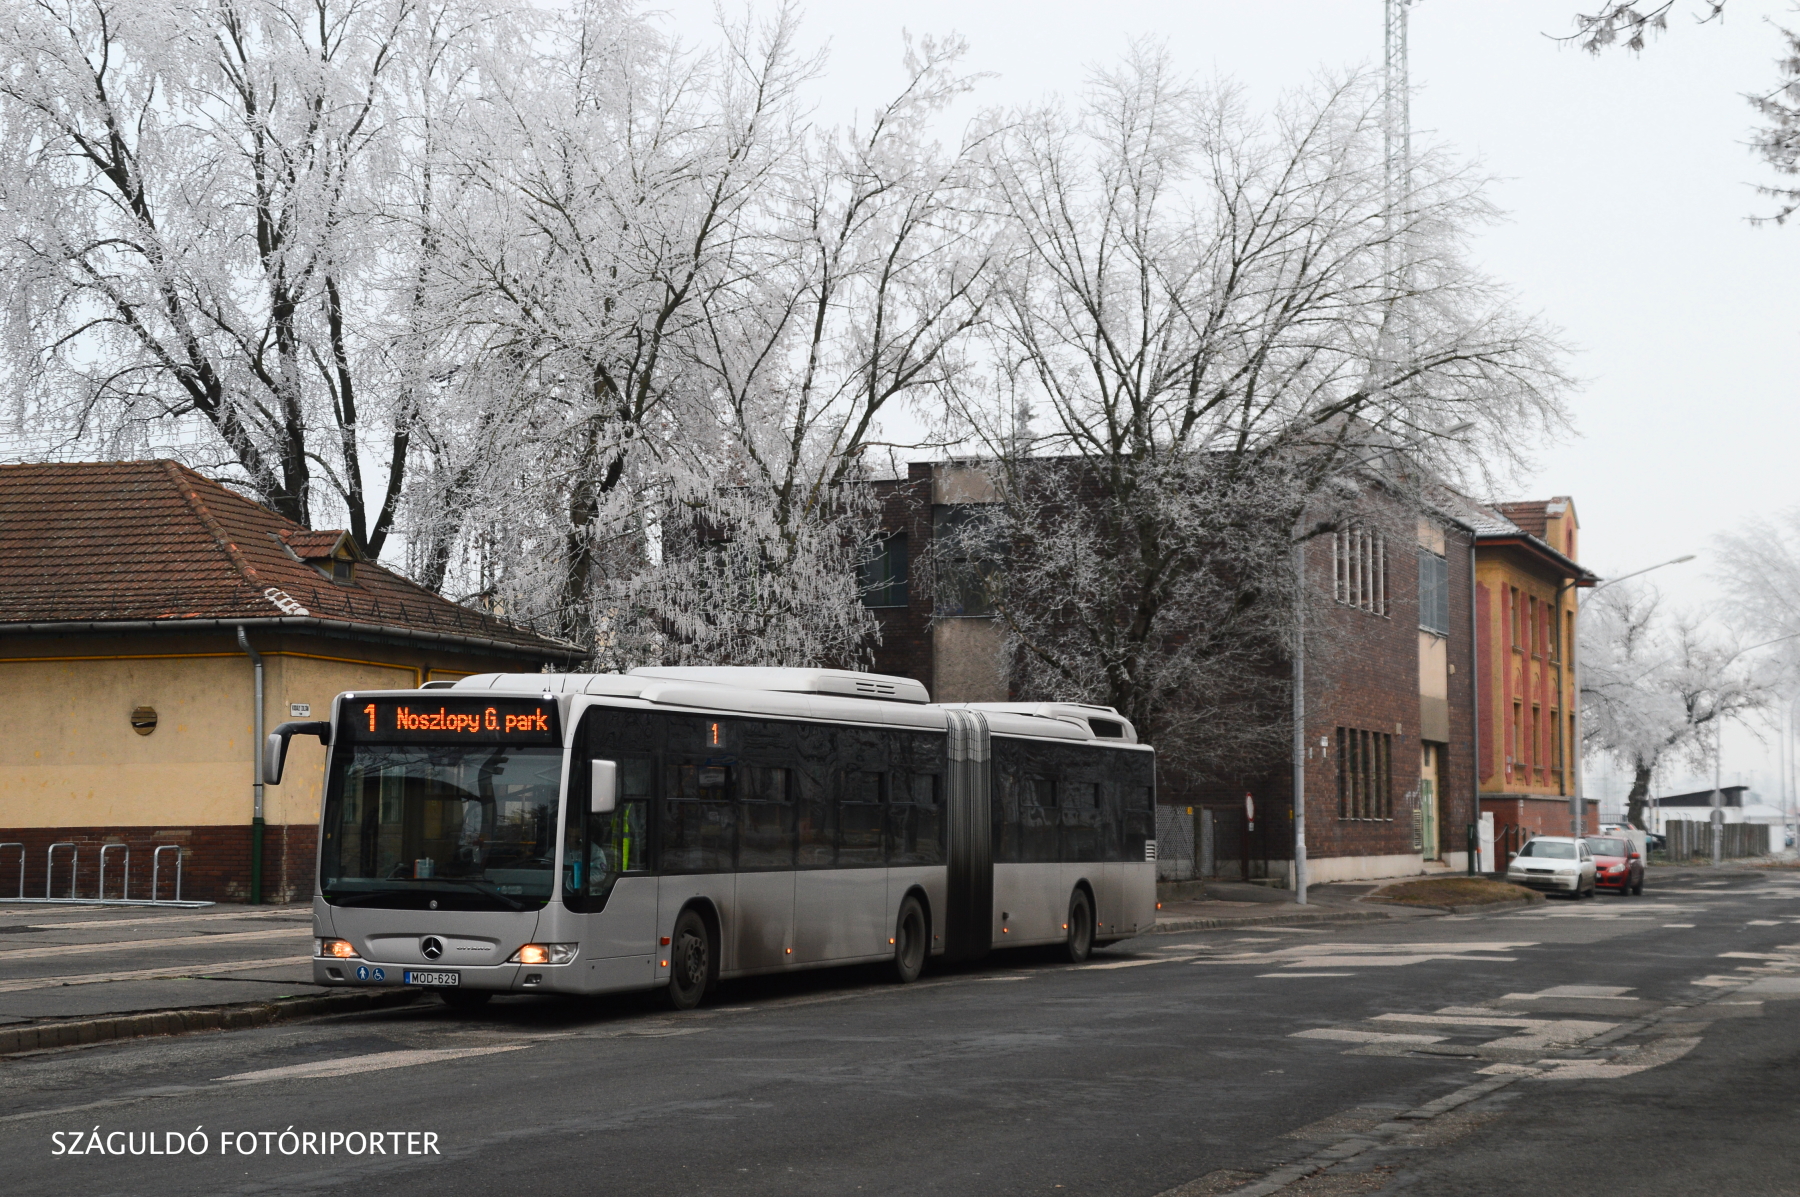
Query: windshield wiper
(375, 897)
(485, 887)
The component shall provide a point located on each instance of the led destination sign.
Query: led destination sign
(486, 721)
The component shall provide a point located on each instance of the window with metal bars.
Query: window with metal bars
(1359, 569)
(1365, 774)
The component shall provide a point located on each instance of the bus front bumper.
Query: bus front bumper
(501, 978)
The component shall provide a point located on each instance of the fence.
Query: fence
(1175, 854)
(1690, 839)
(159, 881)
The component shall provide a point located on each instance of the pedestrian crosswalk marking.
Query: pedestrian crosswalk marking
(1346, 1035)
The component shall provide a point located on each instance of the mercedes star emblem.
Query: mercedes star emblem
(432, 947)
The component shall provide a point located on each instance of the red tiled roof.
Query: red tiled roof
(309, 545)
(1530, 515)
(97, 542)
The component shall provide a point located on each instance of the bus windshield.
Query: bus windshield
(441, 826)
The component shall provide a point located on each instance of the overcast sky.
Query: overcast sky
(1628, 190)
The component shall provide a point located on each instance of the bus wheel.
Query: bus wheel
(465, 999)
(690, 961)
(1081, 927)
(909, 941)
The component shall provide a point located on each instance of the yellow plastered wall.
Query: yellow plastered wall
(72, 758)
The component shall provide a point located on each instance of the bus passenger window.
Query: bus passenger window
(915, 821)
(765, 819)
(860, 818)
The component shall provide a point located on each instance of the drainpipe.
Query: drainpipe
(1475, 694)
(1300, 878)
(256, 758)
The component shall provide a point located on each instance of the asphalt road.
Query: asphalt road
(1643, 1045)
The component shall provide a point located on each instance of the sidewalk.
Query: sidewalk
(77, 974)
(1229, 904)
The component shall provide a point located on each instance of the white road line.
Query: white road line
(1133, 963)
(378, 1062)
(1394, 961)
(1284, 976)
(1684, 925)
(1344, 1035)
(1580, 991)
(1458, 1020)
(152, 974)
(178, 941)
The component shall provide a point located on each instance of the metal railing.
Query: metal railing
(124, 898)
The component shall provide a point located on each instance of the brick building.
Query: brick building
(1528, 573)
(130, 697)
(1394, 671)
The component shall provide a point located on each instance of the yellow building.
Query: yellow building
(1526, 574)
(136, 600)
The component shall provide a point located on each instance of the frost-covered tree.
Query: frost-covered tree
(1655, 686)
(1759, 568)
(694, 311)
(217, 224)
(1630, 23)
(1219, 326)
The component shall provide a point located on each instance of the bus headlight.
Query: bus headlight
(544, 953)
(339, 948)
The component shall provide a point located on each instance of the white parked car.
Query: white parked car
(1555, 864)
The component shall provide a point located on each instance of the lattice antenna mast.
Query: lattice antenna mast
(1397, 139)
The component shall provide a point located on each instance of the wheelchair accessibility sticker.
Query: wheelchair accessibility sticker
(365, 973)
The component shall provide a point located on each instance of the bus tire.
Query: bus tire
(911, 933)
(465, 999)
(690, 961)
(1081, 927)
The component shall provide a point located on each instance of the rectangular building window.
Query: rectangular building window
(1359, 570)
(1365, 774)
(1434, 593)
(882, 575)
(1531, 627)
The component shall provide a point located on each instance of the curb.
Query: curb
(1171, 926)
(15, 1040)
(1468, 907)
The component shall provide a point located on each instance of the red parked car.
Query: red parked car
(1617, 864)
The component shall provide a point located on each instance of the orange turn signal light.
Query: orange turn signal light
(339, 948)
(533, 953)
(665, 941)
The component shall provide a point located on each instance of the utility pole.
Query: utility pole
(1718, 796)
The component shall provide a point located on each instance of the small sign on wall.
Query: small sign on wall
(300, 710)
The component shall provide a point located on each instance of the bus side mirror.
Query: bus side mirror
(275, 748)
(604, 794)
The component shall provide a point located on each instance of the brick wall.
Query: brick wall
(905, 648)
(215, 863)
(1362, 672)
(1456, 769)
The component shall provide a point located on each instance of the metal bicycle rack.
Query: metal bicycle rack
(50, 867)
(125, 882)
(21, 848)
(124, 898)
(156, 864)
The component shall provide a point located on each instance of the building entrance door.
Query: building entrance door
(1428, 802)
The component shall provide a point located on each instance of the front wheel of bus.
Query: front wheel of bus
(909, 941)
(1081, 927)
(690, 961)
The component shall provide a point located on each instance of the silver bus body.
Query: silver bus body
(762, 921)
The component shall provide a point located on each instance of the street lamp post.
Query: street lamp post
(1577, 792)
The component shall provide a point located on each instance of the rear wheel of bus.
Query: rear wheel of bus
(1080, 927)
(910, 933)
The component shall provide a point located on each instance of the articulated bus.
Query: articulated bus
(669, 828)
